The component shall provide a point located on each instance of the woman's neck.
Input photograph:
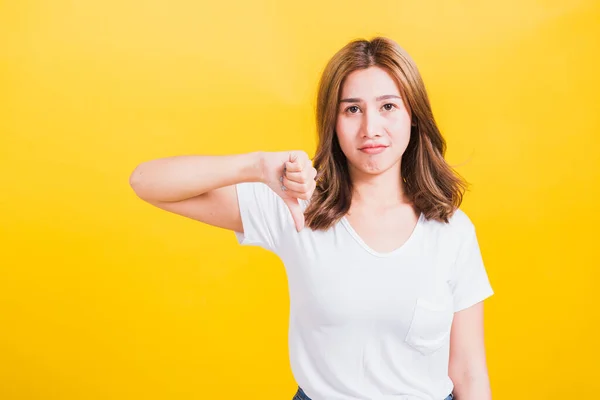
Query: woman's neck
(384, 190)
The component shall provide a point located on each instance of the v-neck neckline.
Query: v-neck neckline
(398, 250)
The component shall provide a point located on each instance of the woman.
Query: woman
(385, 275)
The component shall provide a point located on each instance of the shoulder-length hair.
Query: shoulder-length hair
(430, 183)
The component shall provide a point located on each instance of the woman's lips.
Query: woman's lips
(373, 149)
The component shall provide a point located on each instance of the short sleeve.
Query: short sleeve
(265, 217)
(470, 284)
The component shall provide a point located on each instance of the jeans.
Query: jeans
(300, 395)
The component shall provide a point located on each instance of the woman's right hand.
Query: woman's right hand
(290, 175)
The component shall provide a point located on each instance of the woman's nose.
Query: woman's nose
(372, 124)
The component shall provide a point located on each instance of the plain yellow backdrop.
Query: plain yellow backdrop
(105, 297)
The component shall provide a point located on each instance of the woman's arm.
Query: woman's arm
(468, 367)
(182, 177)
(200, 187)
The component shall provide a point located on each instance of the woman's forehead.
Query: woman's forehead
(369, 84)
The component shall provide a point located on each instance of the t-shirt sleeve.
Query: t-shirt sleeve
(265, 217)
(471, 283)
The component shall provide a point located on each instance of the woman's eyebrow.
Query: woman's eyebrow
(358, 100)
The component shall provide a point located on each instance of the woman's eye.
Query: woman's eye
(355, 109)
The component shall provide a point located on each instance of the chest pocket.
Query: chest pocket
(430, 326)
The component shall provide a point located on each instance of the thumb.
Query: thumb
(297, 215)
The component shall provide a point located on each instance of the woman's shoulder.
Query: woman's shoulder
(460, 220)
(448, 237)
(459, 224)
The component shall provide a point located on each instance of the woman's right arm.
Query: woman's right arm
(201, 187)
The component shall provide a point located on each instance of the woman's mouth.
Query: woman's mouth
(373, 149)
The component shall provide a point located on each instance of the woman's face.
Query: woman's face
(373, 126)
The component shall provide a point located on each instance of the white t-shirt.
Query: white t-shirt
(364, 324)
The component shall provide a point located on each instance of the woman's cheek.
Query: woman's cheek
(344, 132)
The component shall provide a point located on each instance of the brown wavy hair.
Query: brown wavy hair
(433, 187)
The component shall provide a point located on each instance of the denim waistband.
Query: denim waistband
(300, 395)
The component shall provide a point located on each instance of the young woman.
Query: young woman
(386, 278)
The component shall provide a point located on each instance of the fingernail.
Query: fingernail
(281, 179)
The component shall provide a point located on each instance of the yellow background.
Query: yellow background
(104, 297)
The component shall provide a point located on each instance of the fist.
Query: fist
(291, 175)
